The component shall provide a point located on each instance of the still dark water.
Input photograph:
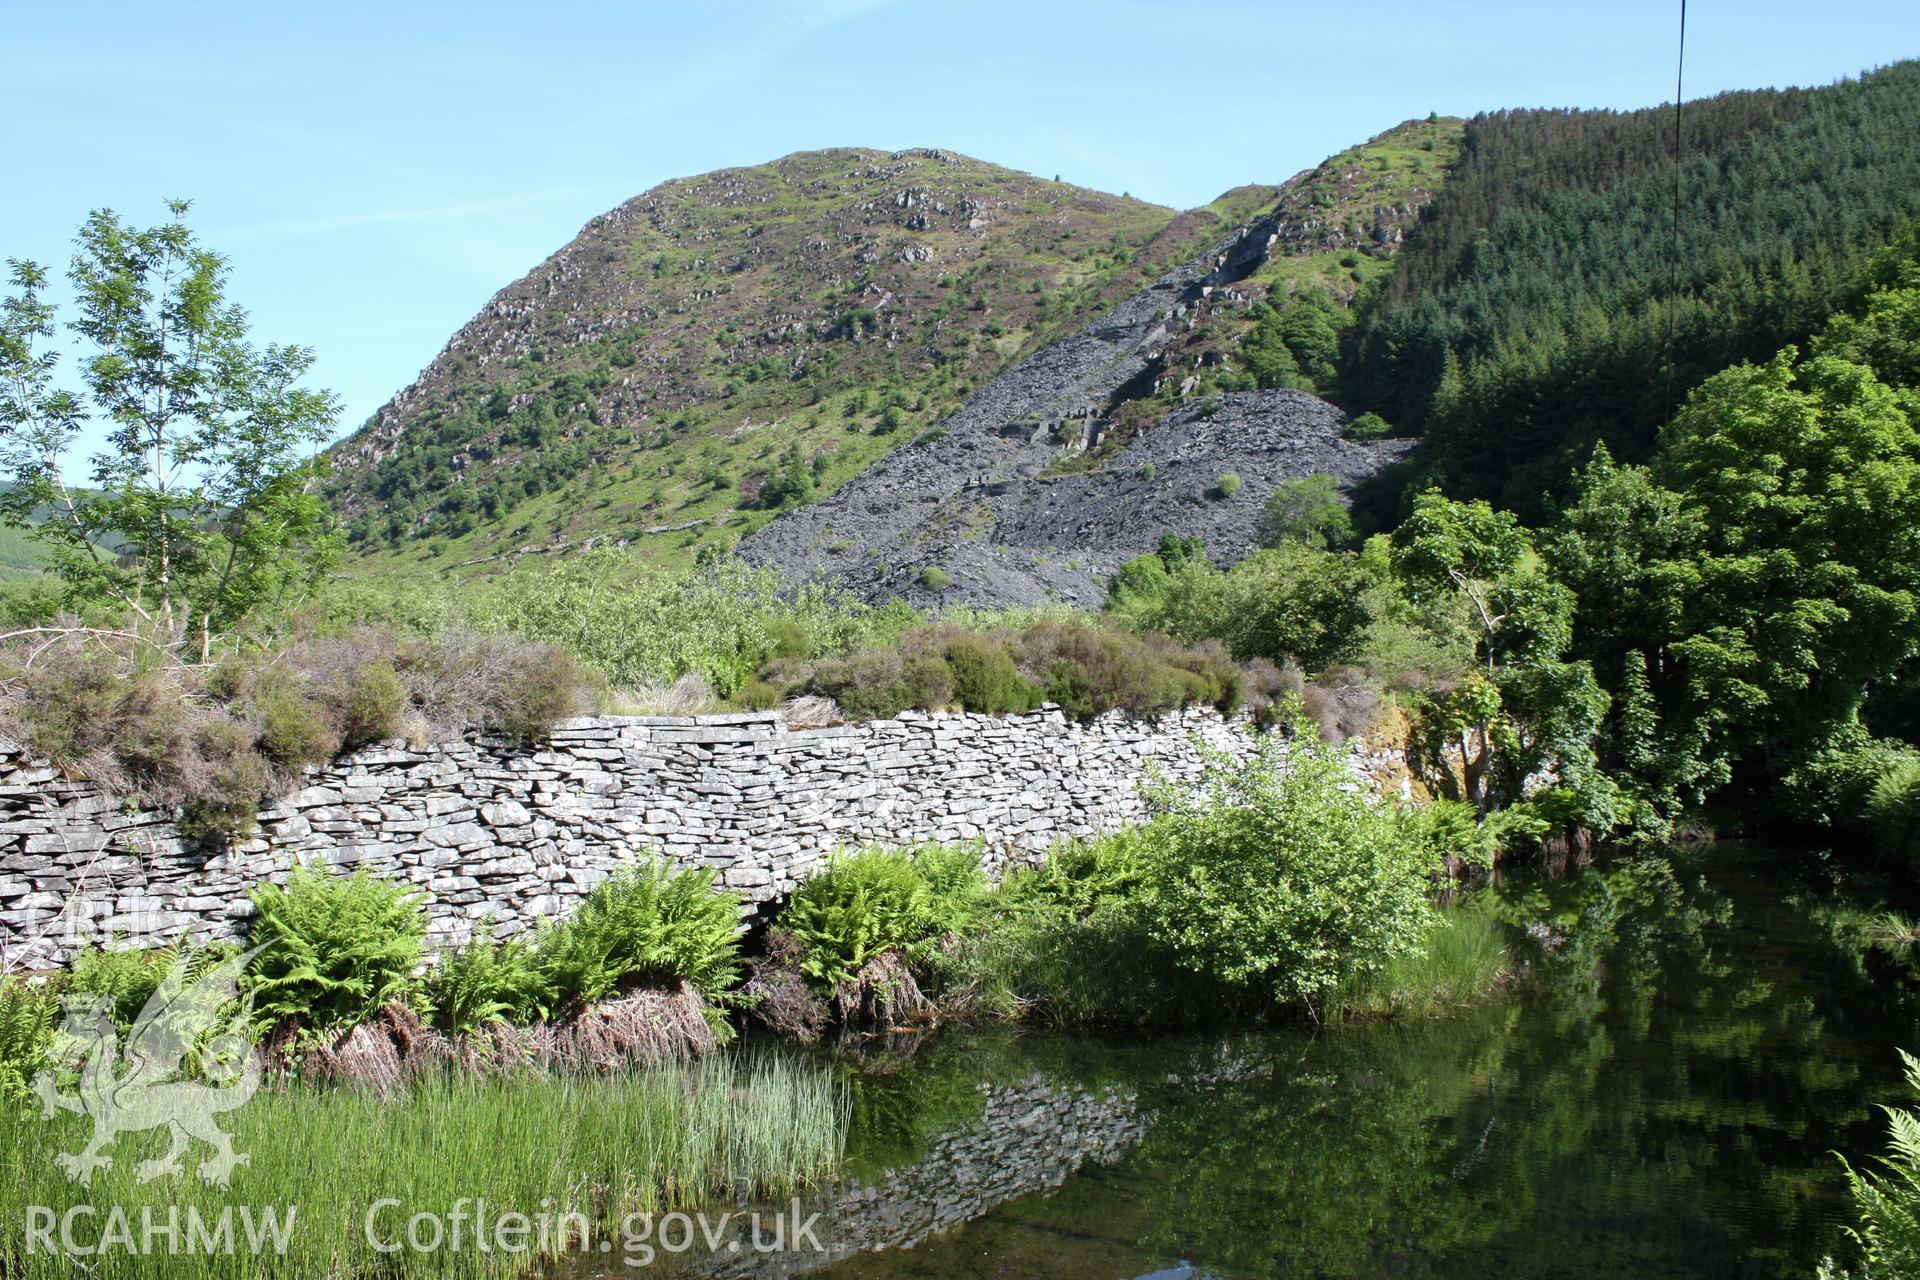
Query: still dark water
(1660, 1097)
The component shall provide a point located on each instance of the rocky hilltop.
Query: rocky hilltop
(688, 345)
(913, 372)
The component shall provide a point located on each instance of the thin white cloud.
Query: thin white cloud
(326, 223)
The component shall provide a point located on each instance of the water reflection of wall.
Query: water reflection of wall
(1031, 1136)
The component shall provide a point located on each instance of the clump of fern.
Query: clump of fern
(650, 923)
(335, 950)
(868, 903)
(1892, 810)
(127, 978)
(29, 1013)
(1888, 1202)
(486, 982)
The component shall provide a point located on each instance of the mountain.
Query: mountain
(788, 323)
(927, 376)
(724, 347)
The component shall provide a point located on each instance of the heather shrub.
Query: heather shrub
(1341, 704)
(866, 684)
(294, 731)
(759, 695)
(543, 686)
(1087, 670)
(1207, 673)
(456, 681)
(1022, 661)
(371, 706)
(225, 782)
(214, 742)
(334, 950)
(1268, 688)
(154, 744)
(69, 703)
(653, 923)
(984, 677)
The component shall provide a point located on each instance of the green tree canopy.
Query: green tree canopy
(203, 486)
(1308, 511)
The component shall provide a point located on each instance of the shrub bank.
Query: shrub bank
(214, 741)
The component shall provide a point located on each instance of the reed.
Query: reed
(1462, 960)
(733, 1128)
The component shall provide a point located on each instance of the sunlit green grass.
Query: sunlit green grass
(1463, 960)
(604, 1147)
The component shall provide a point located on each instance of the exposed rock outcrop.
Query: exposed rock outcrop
(976, 499)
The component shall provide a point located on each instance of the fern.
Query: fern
(1077, 878)
(651, 923)
(126, 977)
(28, 1015)
(335, 950)
(486, 982)
(1893, 811)
(858, 907)
(956, 888)
(1888, 1202)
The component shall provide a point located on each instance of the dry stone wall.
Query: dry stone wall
(495, 831)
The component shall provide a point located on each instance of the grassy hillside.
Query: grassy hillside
(724, 345)
(20, 556)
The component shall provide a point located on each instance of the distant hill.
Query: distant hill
(20, 555)
(692, 343)
(1567, 286)
(874, 364)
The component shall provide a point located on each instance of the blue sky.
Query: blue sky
(377, 171)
